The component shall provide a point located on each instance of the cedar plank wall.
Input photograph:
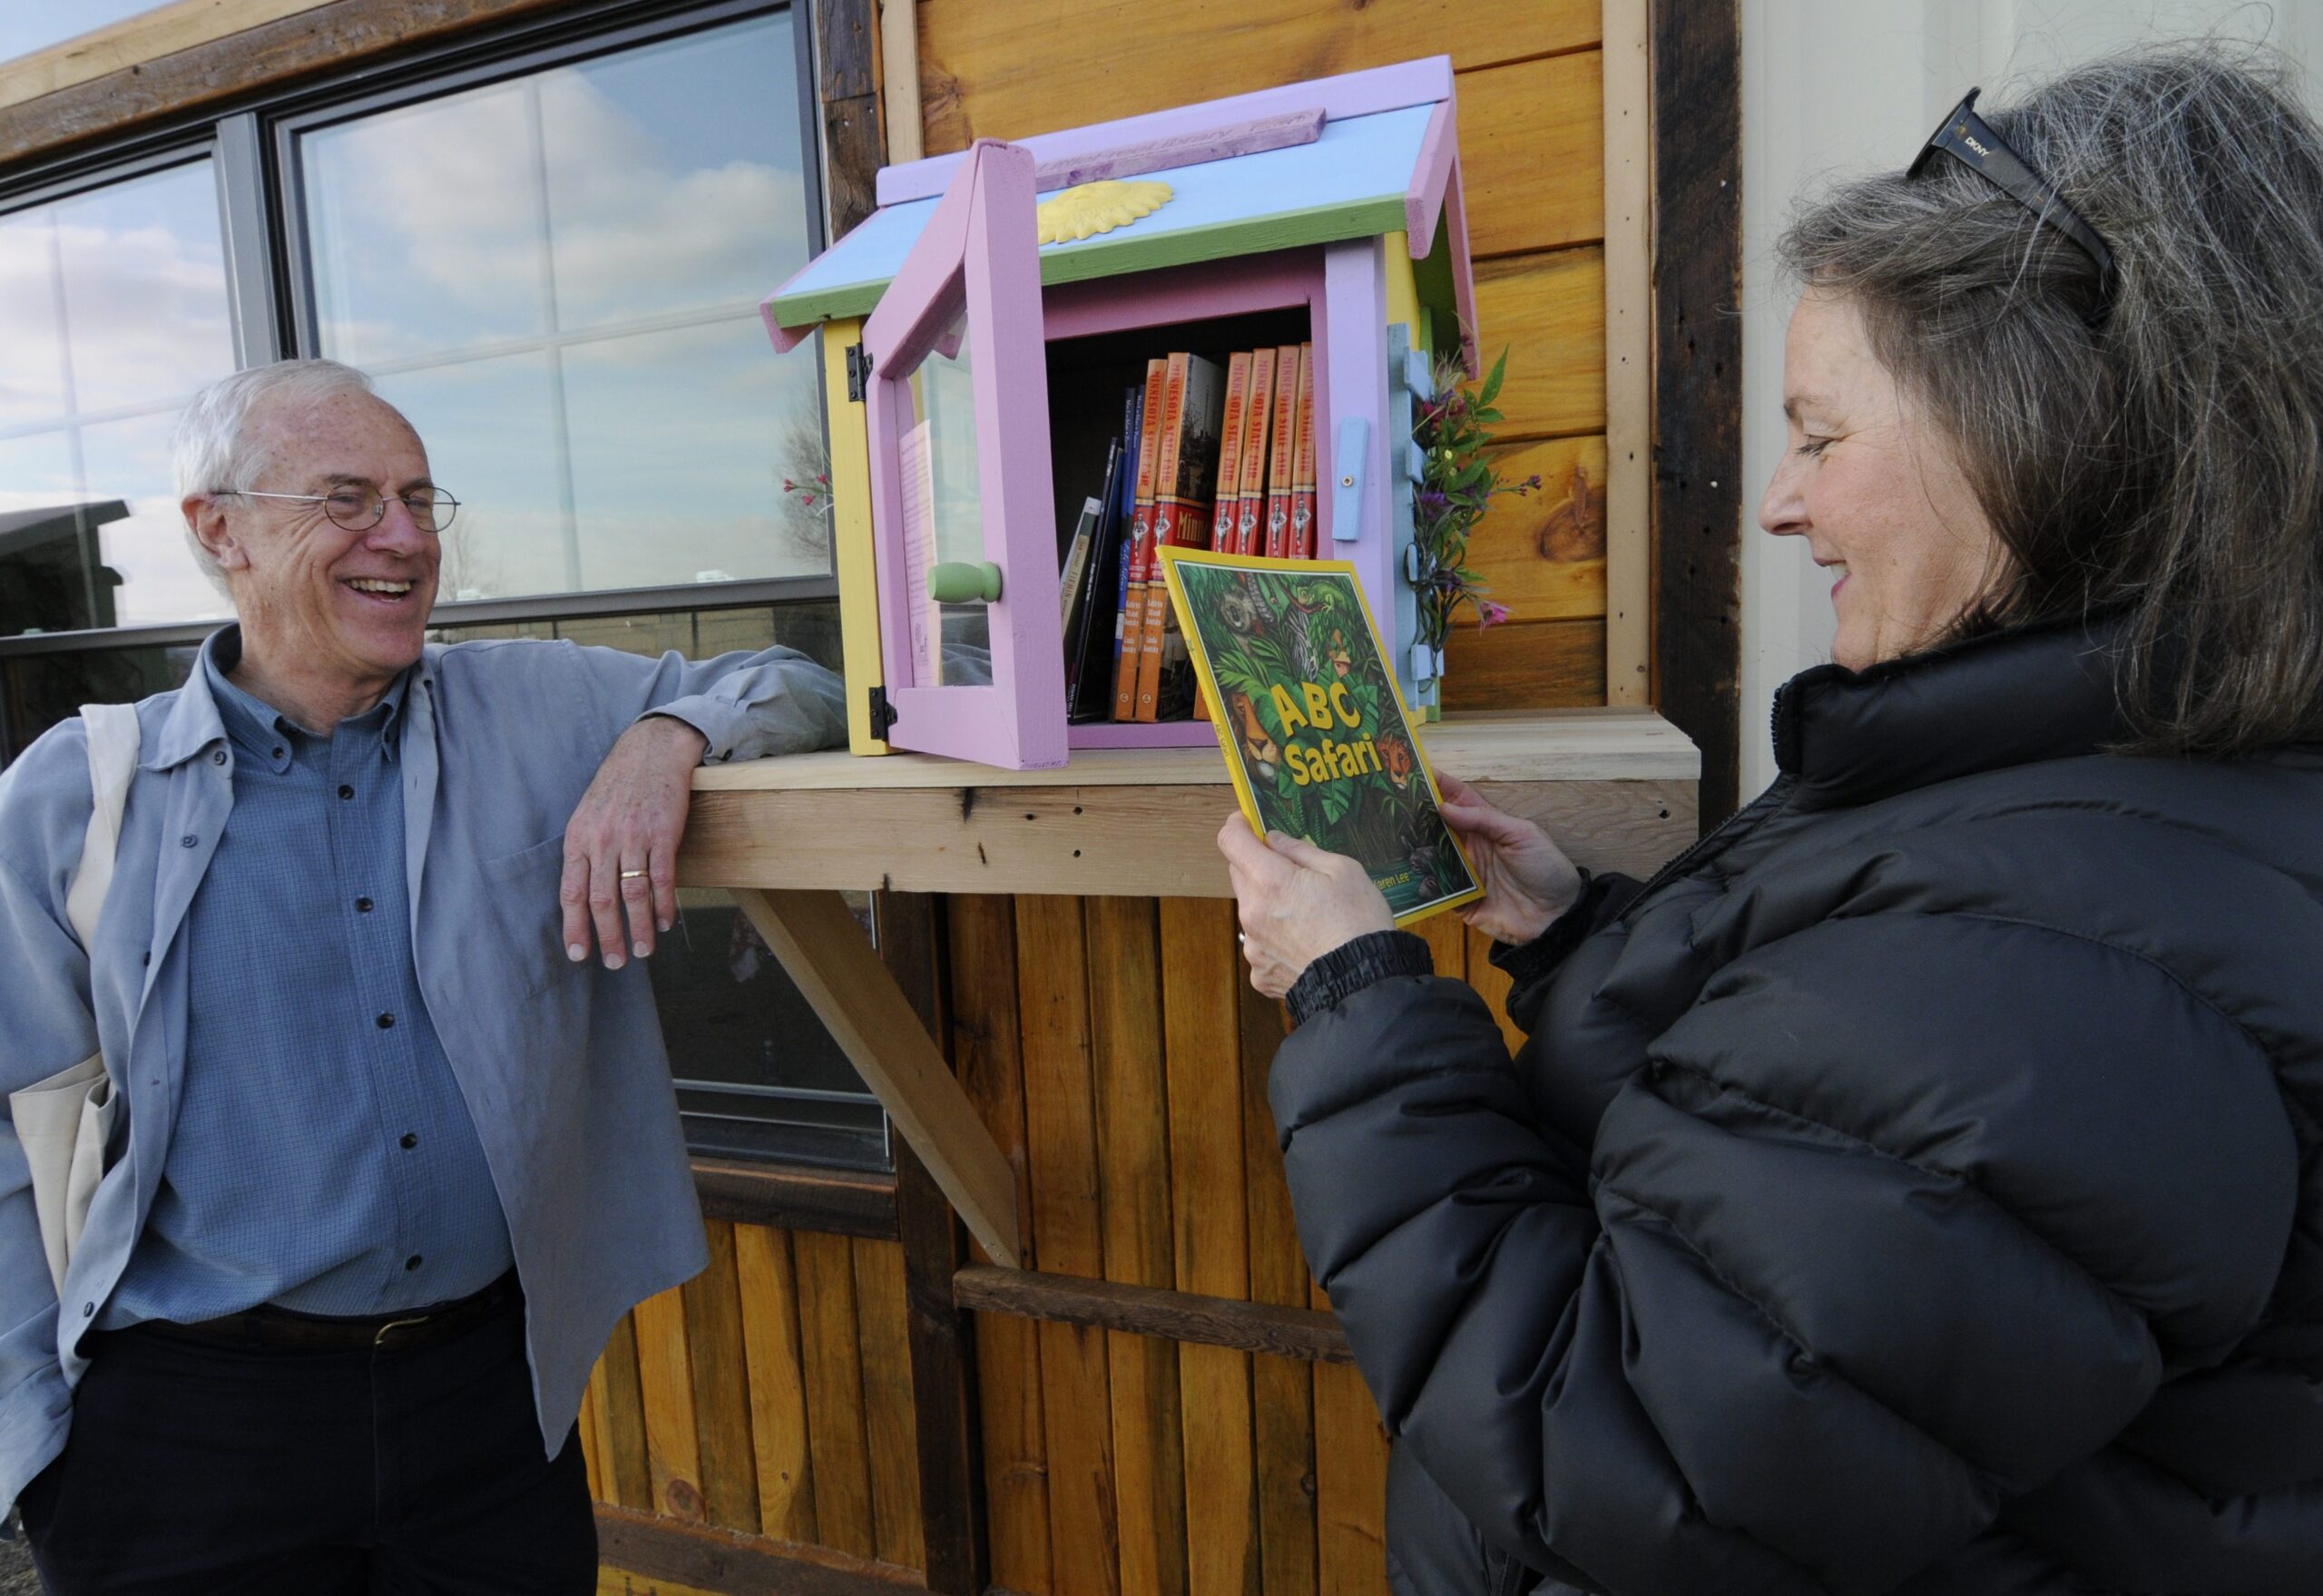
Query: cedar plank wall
(1111, 1043)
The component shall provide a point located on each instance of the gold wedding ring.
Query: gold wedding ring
(625, 874)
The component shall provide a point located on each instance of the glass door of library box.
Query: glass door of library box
(963, 524)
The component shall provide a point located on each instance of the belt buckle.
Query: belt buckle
(379, 1339)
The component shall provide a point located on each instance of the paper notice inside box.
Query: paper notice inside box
(916, 457)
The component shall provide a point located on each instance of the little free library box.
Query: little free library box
(982, 387)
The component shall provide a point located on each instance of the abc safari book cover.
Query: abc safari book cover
(1313, 730)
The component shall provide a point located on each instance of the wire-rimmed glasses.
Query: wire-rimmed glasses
(361, 509)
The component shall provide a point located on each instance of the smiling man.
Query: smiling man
(396, 1144)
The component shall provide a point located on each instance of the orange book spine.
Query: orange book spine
(1279, 454)
(1166, 506)
(1302, 460)
(1249, 499)
(1229, 450)
(1140, 555)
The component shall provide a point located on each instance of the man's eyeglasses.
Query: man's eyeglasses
(1968, 139)
(361, 509)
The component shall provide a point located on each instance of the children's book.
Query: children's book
(1280, 453)
(1195, 398)
(1140, 542)
(1250, 495)
(1316, 739)
(1302, 461)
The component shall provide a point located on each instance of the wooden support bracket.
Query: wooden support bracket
(816, 936)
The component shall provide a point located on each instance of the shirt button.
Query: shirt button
(409, 1142)
(346, 791)
(218, 758)
(88, 1311)
(276, 754)
(411, 1263)
(387, 1022)
(362, 906)
(188, 841)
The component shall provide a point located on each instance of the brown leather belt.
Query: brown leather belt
(280, 1329)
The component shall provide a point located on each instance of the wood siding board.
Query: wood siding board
(883, 1327)
(677, 1559)
(1697, 389)
(1525, 665)
(1492, 984)
(1004, 68)
(630, 1482)
(1351, 1484)
(592, 1442)
(781, 1435)
(1282, 1394)
(832, 1360)
(1532, 155)
(1549, 310)
(986, 1044)
(1202, 1031)
(722, 1404)
(1628, 493)
(1145, 1310)
(1132, 1119)
(1543, 553)
(1061, 1144)
(254, 58)
(665, 1378)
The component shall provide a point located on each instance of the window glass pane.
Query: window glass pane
(115, 306)
(566, 305)
(41, 689)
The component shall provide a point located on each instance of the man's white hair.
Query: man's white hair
(215, 449)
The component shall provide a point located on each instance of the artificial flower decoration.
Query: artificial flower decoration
(1088, 208)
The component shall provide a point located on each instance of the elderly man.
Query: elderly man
(396, 1144)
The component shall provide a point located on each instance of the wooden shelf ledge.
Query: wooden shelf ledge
(1615, 787)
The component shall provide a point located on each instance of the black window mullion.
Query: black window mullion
(249, 246)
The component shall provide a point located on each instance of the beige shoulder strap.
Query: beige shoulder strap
(113, 733)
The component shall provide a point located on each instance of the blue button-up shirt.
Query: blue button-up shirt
(560, 1065)
(323, 1159)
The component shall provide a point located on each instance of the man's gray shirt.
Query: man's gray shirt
(561, 1064)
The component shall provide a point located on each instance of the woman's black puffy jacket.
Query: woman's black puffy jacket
(1917, 1187)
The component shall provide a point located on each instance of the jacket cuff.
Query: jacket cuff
(1526, 963)
(1354, 964)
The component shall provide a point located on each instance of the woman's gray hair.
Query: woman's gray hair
(215, 449)
(2159, 453)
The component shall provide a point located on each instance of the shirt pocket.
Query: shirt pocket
(521, 904)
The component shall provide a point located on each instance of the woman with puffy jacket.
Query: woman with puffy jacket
(1919, 1185)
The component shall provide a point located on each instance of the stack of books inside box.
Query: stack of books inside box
(1204, 455)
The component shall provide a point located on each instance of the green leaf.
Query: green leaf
(1491, 390)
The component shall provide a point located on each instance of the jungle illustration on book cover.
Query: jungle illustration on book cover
(1314, 737)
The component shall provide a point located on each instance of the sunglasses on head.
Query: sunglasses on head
(1968, 139)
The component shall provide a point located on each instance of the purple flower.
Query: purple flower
(1489, 613)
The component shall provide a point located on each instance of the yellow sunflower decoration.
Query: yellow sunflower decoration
(1089, 209)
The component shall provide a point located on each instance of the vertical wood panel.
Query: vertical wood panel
(984, 1046)
(630, 1482)
(1061, 1144)
(882, 1322)
(833, 1369)
(721, 1396)
(665, 1378)
(1351, 1482)
(779, 1436)
(1281, 1393)
(1133, 1176)
(591, 1444)
(1201, 1025)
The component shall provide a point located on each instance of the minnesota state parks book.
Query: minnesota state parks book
(1314, 737)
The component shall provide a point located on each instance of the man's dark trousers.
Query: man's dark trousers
(203, 1470)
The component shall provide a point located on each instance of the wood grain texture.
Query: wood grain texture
(832, 1362)
(1010, 68)
(1133, 1176)
(1526, 664)
(665, 1380)
(1543, 553)
(1061, 1144)
(1145, 1310)
(840, 1202)
(827, 956)
(622, 1413)
(592, 1443)
(1550, 310)
(779, 1436)
(649, 1556)
(1351, 1484)
(339, 34)
(721, 1394)
(883, 1325)
(1532, 155)
(1201, 1029)
(1628, 497)
(162, 31)
(1698, 387)
(986, 1042)
(1282, 1395)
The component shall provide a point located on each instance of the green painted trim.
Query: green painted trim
(1438, 298)
(1284, 230)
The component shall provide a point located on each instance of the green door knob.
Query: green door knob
(957, 581)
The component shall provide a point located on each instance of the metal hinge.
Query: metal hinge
(858, 373)
(883, 713)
